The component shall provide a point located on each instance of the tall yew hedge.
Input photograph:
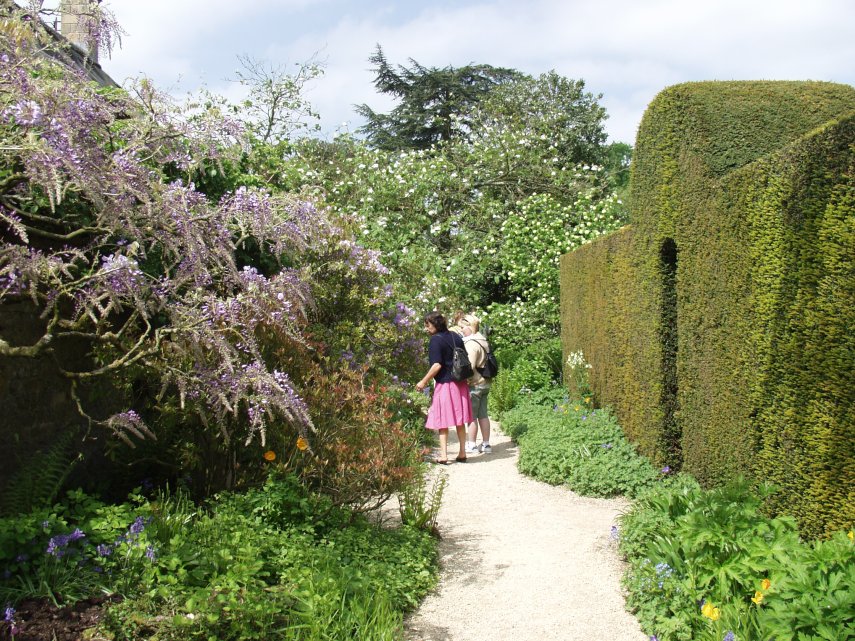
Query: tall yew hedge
(718, 326)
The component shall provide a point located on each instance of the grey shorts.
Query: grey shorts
(479, 394)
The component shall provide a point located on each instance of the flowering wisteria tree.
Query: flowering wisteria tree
(188, 304)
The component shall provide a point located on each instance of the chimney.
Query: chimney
(75, 15)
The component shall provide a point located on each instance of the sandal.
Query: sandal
(460, 459)
(437, 461)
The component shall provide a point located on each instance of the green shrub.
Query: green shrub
(524, 371)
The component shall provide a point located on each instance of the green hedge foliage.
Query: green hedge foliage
(737, 361)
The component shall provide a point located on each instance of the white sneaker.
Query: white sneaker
(485, 448)
(471, 448)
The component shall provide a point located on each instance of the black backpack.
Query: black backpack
(491, 365)
(461, 368)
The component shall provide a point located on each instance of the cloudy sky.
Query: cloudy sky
(626, 50)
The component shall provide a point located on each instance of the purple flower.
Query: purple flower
(615, 533)
(666, 470)
(137, 526)
(606, 446)
(729, 636)
(104, 550)
(76, 535)
(56, 545)
(150, 553)
(10, 615)
(653, 637)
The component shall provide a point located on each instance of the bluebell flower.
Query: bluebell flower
(137, 526)
(10, 615)
(104, 550)
(150, 553)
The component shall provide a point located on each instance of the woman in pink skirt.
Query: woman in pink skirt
(451, 406)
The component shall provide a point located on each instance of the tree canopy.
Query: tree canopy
(430, 97)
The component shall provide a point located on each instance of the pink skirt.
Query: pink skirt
(450, 406)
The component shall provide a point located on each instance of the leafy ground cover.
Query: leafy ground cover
(273, 561)
(709, 565)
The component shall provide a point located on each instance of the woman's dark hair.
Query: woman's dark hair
(438, 321)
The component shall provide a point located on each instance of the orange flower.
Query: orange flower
(270, 455)
(302, 444)
(758, 597)
(765, 584)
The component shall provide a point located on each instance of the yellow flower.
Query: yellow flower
(269, 455)
(710, 611)
(302, 444)
(758, 597)
(577, 408)
(765, 584)
(851, 535)
(588, 400)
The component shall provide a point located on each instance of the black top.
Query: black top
(441, 351)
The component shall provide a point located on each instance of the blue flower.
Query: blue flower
(76, 535)
(150, 553)
(666, 469)
(730, 636)
(137, 526)
(104, 550)
(615, 533)
(10, 615)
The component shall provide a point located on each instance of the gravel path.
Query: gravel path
(522, 560)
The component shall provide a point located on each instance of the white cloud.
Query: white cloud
(624, 49)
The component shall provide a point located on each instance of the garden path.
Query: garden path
(522, 560)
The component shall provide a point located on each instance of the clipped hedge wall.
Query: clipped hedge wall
(799, 207)
(725, 310)
(599, 298)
